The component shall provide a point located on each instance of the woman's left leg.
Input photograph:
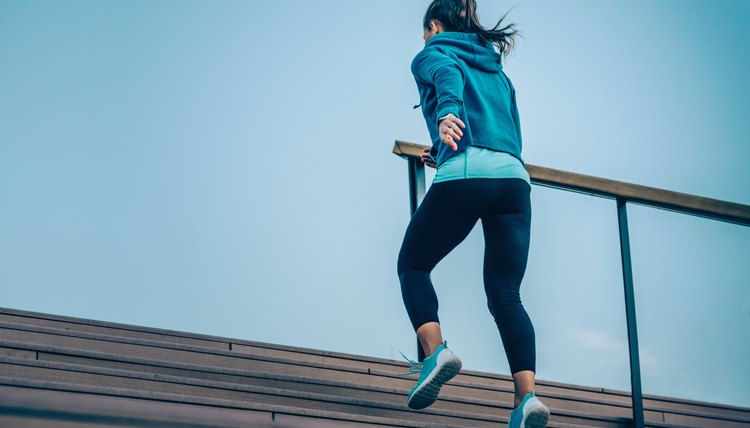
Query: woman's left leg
(445, 217)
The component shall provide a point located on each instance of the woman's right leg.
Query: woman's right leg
(506, 225)
(443, 220)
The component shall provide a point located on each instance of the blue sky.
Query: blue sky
(225, 168)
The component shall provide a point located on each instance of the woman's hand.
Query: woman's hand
(449, 130)
(426, 159)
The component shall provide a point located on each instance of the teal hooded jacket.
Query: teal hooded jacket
(458, 73)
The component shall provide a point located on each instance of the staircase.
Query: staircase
(65, 372)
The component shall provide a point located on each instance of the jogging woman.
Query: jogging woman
(469, 105)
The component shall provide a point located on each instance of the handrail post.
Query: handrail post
(416, 184)
(416, 194)
(627, 276)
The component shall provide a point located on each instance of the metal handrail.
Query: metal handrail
(665, 199)
(622, 193)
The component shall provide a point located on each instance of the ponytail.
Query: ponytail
(461, 16)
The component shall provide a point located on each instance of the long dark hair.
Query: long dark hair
(461, 16)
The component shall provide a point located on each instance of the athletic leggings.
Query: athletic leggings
(445, 217)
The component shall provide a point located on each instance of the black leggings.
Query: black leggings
(445, 217)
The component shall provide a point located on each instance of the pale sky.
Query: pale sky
(225, 167)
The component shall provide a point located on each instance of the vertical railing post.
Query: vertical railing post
(416, 184)
(416, 194)
(627, 276)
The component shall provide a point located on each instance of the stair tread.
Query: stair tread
(66, 355)
(217, 357)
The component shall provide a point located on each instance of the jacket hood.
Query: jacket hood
(469, 48)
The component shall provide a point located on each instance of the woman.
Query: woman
(470, 108)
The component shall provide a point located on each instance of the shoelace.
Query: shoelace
(415, 366)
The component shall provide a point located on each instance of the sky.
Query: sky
(225, 168)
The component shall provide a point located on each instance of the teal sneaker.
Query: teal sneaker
(435, 370)
(531, 413)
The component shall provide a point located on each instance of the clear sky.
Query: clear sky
(225, 167)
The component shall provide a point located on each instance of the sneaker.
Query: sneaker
(435, 370)
(531, 413)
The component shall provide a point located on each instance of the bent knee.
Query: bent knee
(405, 264)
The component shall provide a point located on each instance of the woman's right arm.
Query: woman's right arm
(443, 73)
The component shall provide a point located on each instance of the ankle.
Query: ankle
(523, 383)
(431, 351)
(430, 337)
(518, 398)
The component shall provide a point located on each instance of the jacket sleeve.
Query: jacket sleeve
(443, 72)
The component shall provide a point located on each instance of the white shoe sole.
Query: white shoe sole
(447, 366)
(537, 416)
